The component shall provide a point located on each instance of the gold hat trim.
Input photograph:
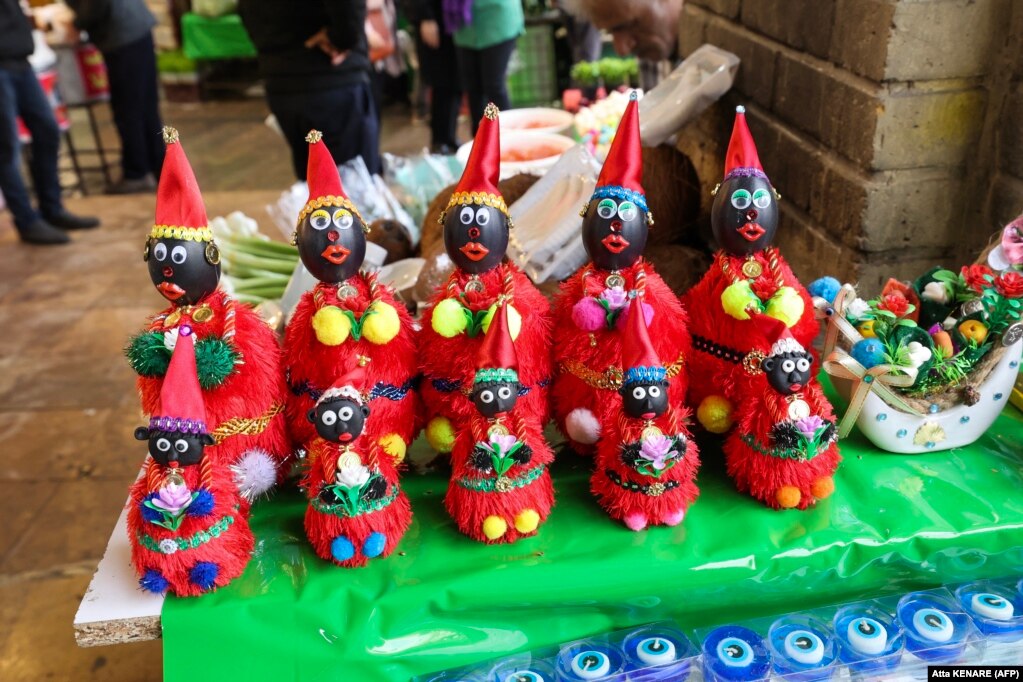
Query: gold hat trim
(189, 234)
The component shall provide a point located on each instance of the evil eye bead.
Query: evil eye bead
(803, 646)
(589, 660)
(867, 636)
(936, 630)
(992, 606)
(523, 676)
(607, 208)
(522, 669)
(761, 198)
(934, 625)
(627, 211)
(657, 653)
(997, 612)
(319, 219)
(741, 199)
(591, 664)
(870, 641)
(735, 653)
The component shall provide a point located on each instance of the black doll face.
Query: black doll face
(340, 420)
(331, 243)
(787, 372)
(184, 272)
(614, 232)
(173, 446)
(476, 237)
(645, 400)
(495, 398)
(744, 215)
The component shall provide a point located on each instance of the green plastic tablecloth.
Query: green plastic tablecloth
(895, 523)
(215, 38)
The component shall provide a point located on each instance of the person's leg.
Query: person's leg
(444, 108)
(493, 68)
(472, 83)
(35, 111)
(347, 117)
(149, 91)
(124, 73)
(11, 183)
(290, 111)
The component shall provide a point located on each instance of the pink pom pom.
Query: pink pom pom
(648, 312)
(589, 315)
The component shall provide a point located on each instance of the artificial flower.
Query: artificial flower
(616, 297)
(1012, 241)
(501, 443)
(1010, 284)
(974, 276)
(918, 353)
(656, 450)
(353, 476)
(173, 498)
(857, 309)
(764, 287)
(895, 303)
(935, 291)
(808, 425)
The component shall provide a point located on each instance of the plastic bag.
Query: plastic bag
(416, 180)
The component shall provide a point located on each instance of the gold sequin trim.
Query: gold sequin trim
(341, 202)
(479, 199)
(611, 378)
(313, 136)
(189, 234)
(243, 426)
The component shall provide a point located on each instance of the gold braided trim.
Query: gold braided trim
(329, 200)
(611, 378)
(189, 234)
(479, 199)
(243, 426)
(491, 111)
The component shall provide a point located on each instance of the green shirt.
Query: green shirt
(493, 22)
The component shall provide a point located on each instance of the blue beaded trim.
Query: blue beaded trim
(381, 390)
(644, 375)
(619, 192)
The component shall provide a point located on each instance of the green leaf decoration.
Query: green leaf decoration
(356, 325)
(147, 354)
(215, 361)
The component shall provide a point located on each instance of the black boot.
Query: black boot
(69, 221)
(41, 232)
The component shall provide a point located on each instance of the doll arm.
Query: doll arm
(147, 354)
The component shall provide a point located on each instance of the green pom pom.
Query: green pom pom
(737, 298)
(147, 354)
(214, 361)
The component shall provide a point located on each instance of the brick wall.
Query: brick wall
(892, 128)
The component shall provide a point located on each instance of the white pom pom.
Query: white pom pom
(582, 426)
(254, 474)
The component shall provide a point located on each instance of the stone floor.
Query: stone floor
(67, 400)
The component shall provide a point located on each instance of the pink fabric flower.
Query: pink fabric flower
(502, 443)
(173, 498)
(1012, 241)
(808, 425)
(589, 315)
(616, 298)
(656, 450)
(648, 312)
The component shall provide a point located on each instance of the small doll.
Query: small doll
(348, 315)
(646, 459)
(187, 522)
(356, 509)
(237, 356)
(500, 486)
(476, 224)
(593, 304)
(748, 276)
(784, 448)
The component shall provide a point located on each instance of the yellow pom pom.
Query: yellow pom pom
(331, 325)
(527, 520)
(394, 446)
(494, 527)
(715, 413)
(786, 305)
(866, 329)
(440, 434)
(448, 318)
(514, 320)
(380, 323)
(737, 298)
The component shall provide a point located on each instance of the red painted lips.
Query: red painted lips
(751, 232)
(170, 290)
(615, 243)
(474, 251)
(335, 253)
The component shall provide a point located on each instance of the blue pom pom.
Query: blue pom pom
(868, 352)
(204, 574)
(374, 545)
(153, 581)
(342, 548)
(826, 288)
(202, 504)
(148, 514)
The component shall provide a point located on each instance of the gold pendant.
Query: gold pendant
(175, 477)
(172, 319)
(203, 314)
(650, 431)
(502, 485)
(346, 291)
(752, 269)
(497, 429)
(474, 284)
(656, 489)
(347, 460)
(615, 281)
(798, 409)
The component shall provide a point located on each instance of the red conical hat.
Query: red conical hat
(478, 184)
(774, 335)
(742, 157)
(180, 213)
(497, 359)
(323, 179)
(639, 359)
(623, 167)
(181, 404)
(350, 385)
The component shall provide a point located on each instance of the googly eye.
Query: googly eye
(466, 215)
(656, 651)
(802, 364)
(804, 647)
(788, 365)
(654, 391)
(504, 392)
(163, 445)
(607, 208)
(735, 652)
(343, 220)
(867, 635)
(523, 676)
(741, 199)
(181, 445)
(179, 255)
(329, 418)
(591, 665)
(988, 605)
(345, 413)
(482, 216)
(487, 396)
(627, 211)
(319, 219)
(160, 251)
(761, 198)
(639, 393)
(934, 625)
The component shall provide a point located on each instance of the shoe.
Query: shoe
(69, 221)
(41, 232)
(143, 185)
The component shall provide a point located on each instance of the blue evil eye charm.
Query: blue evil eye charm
(997, 611)
(936, 630)
(869, 640)
(522, 669)
(802, 648)
(590, 660)
(657, 653)
(732, 652)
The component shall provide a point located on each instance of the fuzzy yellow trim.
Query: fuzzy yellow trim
(477, 199)
(189, 234)
(320, 202)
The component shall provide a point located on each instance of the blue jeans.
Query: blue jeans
(135, 101)
(21, 95)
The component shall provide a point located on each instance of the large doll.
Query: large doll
(237, 357)
(476, 224)
(592, 306)
(500, 486)
(187, 522)
(646, 460)
(748, 276)
(347, 317)
(357, 511)
(783, 450)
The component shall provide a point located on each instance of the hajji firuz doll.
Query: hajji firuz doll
(237, 356)
(784, 448)
(356, 509)
(187, 521)
(500, 486)
(347, 316)
(748, 277)
(646, 460)
(592, 306)
(476, 224)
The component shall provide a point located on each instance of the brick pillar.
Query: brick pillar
(869, 116)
